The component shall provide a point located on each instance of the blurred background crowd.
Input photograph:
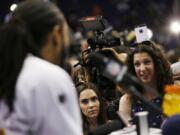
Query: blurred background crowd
(123, 15)
(107, 65)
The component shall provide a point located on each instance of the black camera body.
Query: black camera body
(98, 24)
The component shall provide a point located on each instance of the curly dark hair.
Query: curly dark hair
(102, 115)
(162, 66)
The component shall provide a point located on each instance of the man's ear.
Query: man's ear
(66, 34)
(57, 35)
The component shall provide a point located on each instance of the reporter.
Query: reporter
(92, 107)
(149, 64)
(37, 97)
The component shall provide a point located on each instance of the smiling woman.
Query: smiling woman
(91, 106)
(144, 68)
(148, 63)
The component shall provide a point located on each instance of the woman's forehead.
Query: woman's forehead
(141, 55)
(87, 93)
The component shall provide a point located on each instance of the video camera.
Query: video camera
(102, 38)
(98, 25)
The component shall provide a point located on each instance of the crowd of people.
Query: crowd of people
(43, 92)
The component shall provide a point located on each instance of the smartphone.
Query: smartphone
(141, 33)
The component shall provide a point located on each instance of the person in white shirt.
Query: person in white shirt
(37, 97)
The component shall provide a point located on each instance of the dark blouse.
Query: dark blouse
(155, 119)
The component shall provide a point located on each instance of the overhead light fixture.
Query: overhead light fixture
(175, 27)
(13, 7)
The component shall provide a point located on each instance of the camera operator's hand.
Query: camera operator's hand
(121, 56)
(110, 49)
(85, 54)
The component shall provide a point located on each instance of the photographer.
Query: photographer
(101, 40)
(107, 88)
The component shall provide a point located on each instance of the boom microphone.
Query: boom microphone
(115, 70)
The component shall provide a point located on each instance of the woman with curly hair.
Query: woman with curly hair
(148, 63)
(91, 106)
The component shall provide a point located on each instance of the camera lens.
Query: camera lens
(141, 31)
